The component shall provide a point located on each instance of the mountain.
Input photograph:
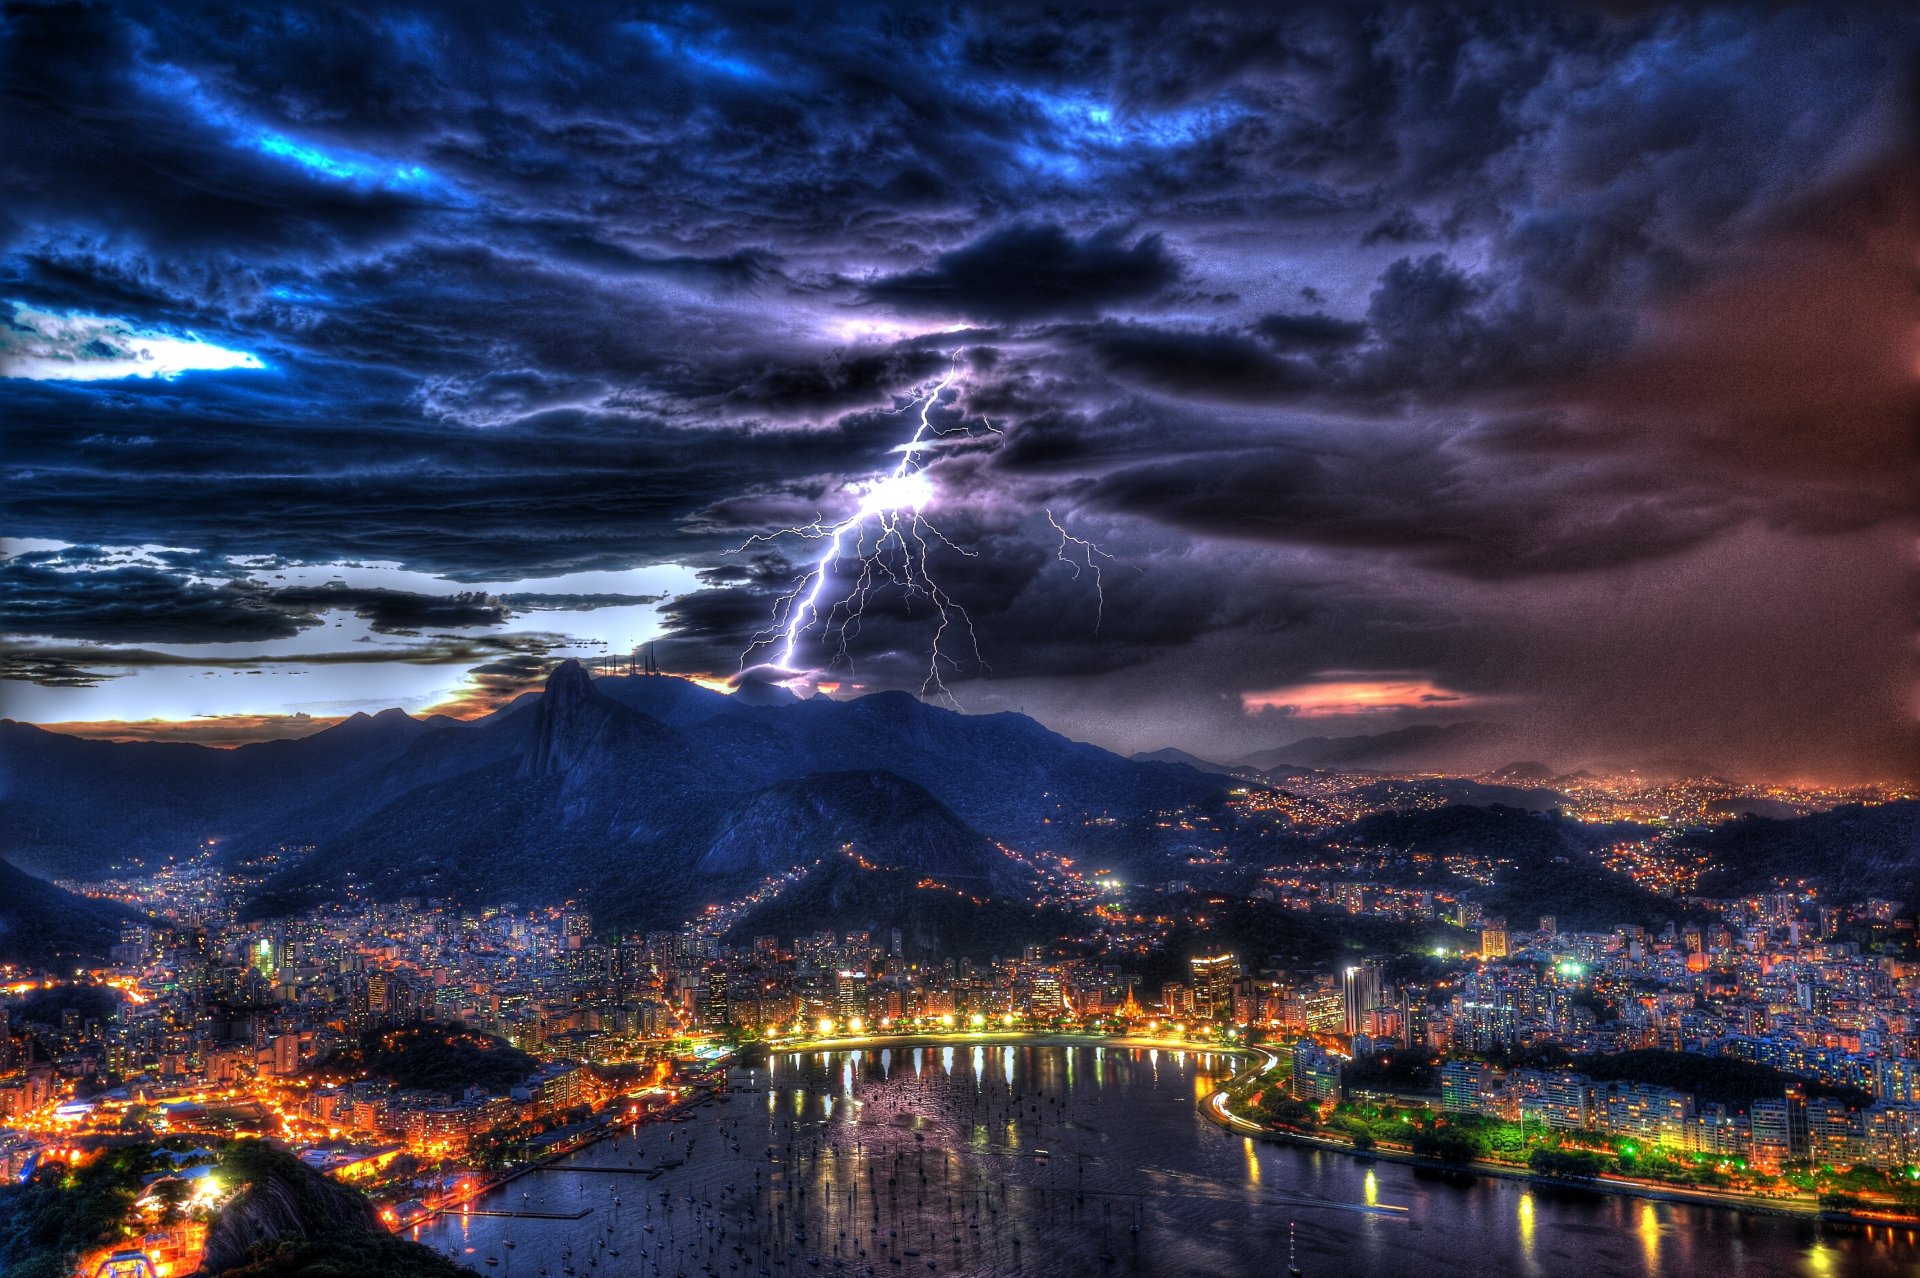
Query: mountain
(1523, 773)
(290, 1221)
(76, 808)
(45, 926)
(1417, 792)
(1539, 864)
(1456, 747)
(1194, 761)
(887, 854)
(872, 812)
(1854, 851)
(644, 796)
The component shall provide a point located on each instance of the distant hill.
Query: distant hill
(49, 927)
(446, 1058)
(1457, 747)
(1550, 866)
(1855, 851)
(1526, 772)
(645, 796)
(1420, 792)
(74, 808)
(876, 812)
(290, 1221)
(1171, 755)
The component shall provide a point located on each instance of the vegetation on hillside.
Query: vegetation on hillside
(445, 1058)
(46, 1223)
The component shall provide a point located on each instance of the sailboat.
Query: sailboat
(1293, 1265)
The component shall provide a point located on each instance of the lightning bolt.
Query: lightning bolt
(1090, 556)
(891, 537)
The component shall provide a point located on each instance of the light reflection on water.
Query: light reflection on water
(1067, 1150)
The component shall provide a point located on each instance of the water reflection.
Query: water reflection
(1075, 1163)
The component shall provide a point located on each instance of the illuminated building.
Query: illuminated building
(1213, 980)
(850, 994)
(1316, 1071)
(1360, 990)
(1464, 1086)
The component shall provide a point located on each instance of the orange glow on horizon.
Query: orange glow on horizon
(220, 731)
(1340, 694)
(223, 732)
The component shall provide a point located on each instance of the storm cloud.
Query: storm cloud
(1395, 338)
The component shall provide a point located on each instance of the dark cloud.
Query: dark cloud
(43, 594)
(393, 612)
(1203, 364)
(1309, 332)
(88, 666)
(137, 604)
(1311, 306)
(1426, 501)
(1025, 272)
(839, 381)
(550, 602)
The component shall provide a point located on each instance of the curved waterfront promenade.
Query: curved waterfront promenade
(1214, 1106)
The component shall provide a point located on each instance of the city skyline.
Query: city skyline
(1415, 369)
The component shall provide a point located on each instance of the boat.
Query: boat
(1293, 1265)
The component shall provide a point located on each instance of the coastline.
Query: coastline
(1008, 1038)
(1213, 1106)
(957, 1038)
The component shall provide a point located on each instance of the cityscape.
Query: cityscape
(680, 642)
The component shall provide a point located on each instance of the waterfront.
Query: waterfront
(1041, 1160)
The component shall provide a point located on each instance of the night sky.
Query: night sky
(1547, 369)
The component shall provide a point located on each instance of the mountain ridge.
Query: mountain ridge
(646, 796)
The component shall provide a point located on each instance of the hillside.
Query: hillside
(46, 926)
(290, 1221)
(1171, 755)
(1545, 864)
(439, 1058)
(76, 808)
(792, 822)
(1853, 851)
(644, 796)
(1454, 747)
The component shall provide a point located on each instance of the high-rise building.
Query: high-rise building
(1493, 939)
(850, 994)
(1213, 979)
(1463, 1084)
(1896, 1079)
(1361, 990)
(1316, 1071)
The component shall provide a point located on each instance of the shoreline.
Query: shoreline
(1009, 1038)
(1213, 1106)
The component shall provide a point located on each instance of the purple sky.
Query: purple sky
(1548, 370)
